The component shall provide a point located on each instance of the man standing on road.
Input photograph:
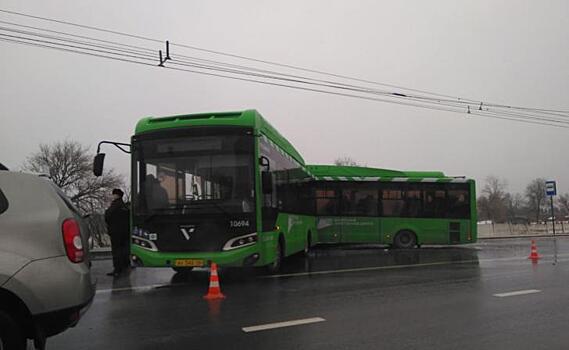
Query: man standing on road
(118, 227)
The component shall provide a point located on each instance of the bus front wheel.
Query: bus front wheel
(308, 244)
(275, 266)
(405, 240)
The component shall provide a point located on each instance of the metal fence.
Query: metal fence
(521, 230)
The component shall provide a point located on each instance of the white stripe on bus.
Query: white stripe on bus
(400, 179)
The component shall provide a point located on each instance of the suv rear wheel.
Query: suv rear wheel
(11, 335)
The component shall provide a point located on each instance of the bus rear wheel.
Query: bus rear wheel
(405, 240)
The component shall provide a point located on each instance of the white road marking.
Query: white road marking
(394, 267)
(138, 288)
(517, 292)
(372, 268)
(265, 327)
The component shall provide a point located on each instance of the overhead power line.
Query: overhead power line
(242, 57)
(148, 59)
(82, 44)
(71, 48)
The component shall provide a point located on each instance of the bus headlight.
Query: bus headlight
(144, 243)
(241, 241)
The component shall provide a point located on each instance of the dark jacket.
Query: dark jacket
(117, 217)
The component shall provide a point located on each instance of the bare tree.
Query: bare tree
(535, 194)
(484, 212)
(69, 166)
(493, 202)
(516, 208)
(563, 201)
(345, 161)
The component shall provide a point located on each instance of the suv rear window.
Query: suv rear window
(3, 202)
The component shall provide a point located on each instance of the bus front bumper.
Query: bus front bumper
(246, 256)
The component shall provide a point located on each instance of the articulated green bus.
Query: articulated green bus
(228, 188)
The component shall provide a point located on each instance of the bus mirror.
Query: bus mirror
(98, 164)
(267, 182)
(265, 162)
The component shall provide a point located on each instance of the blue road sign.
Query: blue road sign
(550, 188)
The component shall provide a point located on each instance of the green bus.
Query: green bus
(228, 188)
(211, 187)
(402, 209)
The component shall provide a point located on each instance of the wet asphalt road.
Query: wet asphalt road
(370, 298)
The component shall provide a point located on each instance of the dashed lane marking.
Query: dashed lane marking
(517, 292)
(268, 326)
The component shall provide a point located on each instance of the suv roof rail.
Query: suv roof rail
(3, 167)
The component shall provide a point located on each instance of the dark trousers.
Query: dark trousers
(121, 254)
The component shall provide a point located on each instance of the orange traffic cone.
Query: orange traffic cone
(533, 255)
(214, 291)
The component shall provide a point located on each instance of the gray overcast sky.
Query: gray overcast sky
(512, 52)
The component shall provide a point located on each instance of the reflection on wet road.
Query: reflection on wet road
(433, 297)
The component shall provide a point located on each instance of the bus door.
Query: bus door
(436, 228)
(359, 213)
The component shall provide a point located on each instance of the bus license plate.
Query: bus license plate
(189, 263)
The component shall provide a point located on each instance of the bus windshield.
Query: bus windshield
(194, 174)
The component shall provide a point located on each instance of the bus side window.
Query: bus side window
(413, 204)
(434, 203)
(326, 202)
(305, 198)
(359, 200)
(392, 203)
(348, 202)
(366, 203)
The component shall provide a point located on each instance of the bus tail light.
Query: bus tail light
(72, 240)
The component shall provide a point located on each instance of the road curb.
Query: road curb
(528, 236)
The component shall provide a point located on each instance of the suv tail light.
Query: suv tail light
(72, 240)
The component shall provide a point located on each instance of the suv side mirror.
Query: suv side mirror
(267, 182)
(98, 164)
